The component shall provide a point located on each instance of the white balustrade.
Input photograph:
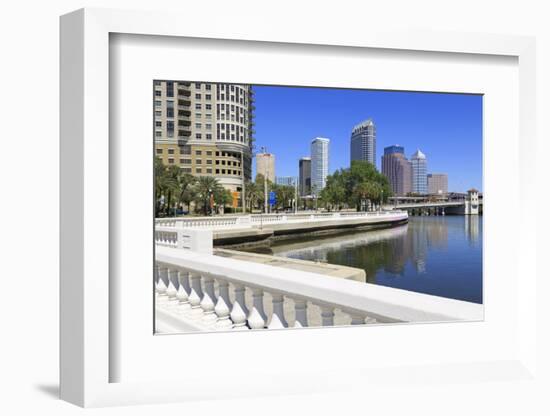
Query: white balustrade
(202, 292)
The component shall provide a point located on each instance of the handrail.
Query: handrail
(362, 301)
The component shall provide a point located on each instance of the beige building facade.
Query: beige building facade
(206, 129)
(438, 184)
(265, 165)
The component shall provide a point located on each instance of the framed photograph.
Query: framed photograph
(260, 206)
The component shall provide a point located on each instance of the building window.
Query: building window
(158, 93)
(158, 123)
(158, 103)
(223, 171)
(157, 83)
(186, 170)
(208, 87)
(197, 96)
(198, 170)
(208, 116)
(217, 162)
(158, 134)
(198, 106)
(208, 153)
(208, 136)
(217, 171)
(209, 106)
(158, 113)
(208, 97)
(185, 161)
(208, 161)
(198, 125)
(185, 150)
(198, 115)
(170, 128)
(208, 170)
(170, 161)
(198, 152)
(198, 161)
(159, 151)
(223, 162)
(169, 89)
(170, 151)
(198, 85)
(208, 126)
(223, 136)
(198, 136)
(217, 153)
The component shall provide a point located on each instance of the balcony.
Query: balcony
(183, 102)
(183, 133)
(184, 112)
(183, 92)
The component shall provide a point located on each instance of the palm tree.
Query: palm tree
(207, 187)
(253, 194)
(186, 188)
(171, 185)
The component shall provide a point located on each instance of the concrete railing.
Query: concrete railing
(250, 220)
(201, 292)
(198, 240)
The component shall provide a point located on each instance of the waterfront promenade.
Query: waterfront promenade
(250, 228)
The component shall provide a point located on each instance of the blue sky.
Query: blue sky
(446, 127)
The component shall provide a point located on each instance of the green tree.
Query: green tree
(187, 190)
(253, 194)
(206, 187)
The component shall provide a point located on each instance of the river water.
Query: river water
(433, 254)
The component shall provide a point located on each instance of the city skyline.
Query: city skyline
(447, 127)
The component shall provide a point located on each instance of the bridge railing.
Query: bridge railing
(201, 292)
(248, 220)
(197, 240)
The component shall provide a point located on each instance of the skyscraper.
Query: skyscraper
(419, 173)
(285, 180)
(304, 181)
(319, 164)
(437, 183)
(205, 129)
(397, 169)
(265, 165)
(363, 142)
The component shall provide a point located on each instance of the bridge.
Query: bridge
(469, 204)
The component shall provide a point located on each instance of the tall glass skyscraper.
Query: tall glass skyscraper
(304, 180)
(363, 142)
(419, 173)
(319, 164)
(397, 169)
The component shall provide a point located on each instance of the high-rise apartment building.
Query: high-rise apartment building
(419, 173)
(265, 165)
(437, 184)
(363, 142)
(304, 181)
(205, 129)
(397, 169)
(319, 164)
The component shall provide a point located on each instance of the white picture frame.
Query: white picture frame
(87, 356)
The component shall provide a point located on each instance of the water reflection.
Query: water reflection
(435, 255)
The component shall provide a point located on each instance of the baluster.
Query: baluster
(327, 315)
(238, 316)
(162, 283)
(222, 311)
(207, 305)
(258, 302)
(300, 307)
(196, 283)
(255, 320)
(160, 286)
(278, 310)
(223, 290)
(208, 281)
(239, 297)
(183, 292)
(171, 290)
